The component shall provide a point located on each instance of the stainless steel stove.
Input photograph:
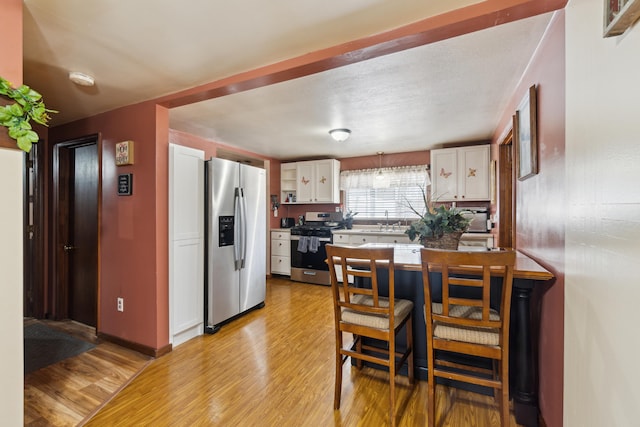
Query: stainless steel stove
(308, 254)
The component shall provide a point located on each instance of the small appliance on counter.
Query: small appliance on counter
(479, 219)
(287, 222)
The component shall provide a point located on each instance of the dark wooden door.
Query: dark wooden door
(34, 234)
(83, 268)
(77, 231)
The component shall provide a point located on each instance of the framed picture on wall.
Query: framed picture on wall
(525, 131)
(619, 15)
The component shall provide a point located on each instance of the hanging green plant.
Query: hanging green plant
(16, 117)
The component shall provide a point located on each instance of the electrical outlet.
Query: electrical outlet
(120, 304)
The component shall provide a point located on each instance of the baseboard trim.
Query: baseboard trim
(149, 351)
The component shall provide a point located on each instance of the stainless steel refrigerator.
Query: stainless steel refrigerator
(236, 240)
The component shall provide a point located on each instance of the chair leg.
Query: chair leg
(338, 386)
(431, 390)
(504, 377)
(409, 328)
(392, 382)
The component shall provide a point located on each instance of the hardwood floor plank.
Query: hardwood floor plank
(271, 367)
(66, 393)
(275, 366)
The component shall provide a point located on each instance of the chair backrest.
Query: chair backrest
(369, 263)
(466, 287)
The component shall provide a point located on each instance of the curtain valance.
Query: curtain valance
(403, 176)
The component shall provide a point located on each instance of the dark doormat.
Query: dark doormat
(44, 346)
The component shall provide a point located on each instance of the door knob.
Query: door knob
(67, 248)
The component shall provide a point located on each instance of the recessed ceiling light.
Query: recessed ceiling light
(81, 79)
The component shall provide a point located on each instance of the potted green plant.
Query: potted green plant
(348, 219)
(27, 105)
(438, 226)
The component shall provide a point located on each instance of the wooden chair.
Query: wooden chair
(464, 322)
(363, 312)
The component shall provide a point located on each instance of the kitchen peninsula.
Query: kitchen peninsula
(523, 342)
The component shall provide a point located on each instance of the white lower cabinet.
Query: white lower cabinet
(355, 238)
(394, 239)
(361, 239)
(340, 238)
(281, 252)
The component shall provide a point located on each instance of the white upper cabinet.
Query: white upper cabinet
(317, 181)
(461, 174)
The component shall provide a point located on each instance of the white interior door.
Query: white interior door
(186, 243)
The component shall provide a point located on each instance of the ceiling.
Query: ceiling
(450, 91)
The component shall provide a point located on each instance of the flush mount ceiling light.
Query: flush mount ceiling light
(81, 79)
(340, 135)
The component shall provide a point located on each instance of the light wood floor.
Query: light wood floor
(72, 390)
(275, 367)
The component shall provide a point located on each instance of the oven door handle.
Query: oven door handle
(322, 239)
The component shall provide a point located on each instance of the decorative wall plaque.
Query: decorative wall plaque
(125, 184)
(124, 153)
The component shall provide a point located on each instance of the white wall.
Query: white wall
(11, 362)
(602, 284)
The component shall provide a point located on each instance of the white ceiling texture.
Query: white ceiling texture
(449, 91)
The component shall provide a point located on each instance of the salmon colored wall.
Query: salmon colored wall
(193, 141)
(539, 214)
(11, 30)
(11, 64)
(132, 263)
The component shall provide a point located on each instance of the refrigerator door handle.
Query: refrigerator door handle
(244, 226)
(237, 229)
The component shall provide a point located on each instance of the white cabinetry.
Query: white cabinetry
(361, 239)
(355, 238)
(186, 243)
(281, 252)
(393, 238)
(340, 238)
(316, 181)
(461, 174)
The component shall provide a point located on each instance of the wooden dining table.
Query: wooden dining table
(528, 274)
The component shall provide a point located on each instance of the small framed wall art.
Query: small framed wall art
(526, 135)
(124, 153)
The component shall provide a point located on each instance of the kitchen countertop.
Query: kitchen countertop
(407, 257)
(399, 231)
